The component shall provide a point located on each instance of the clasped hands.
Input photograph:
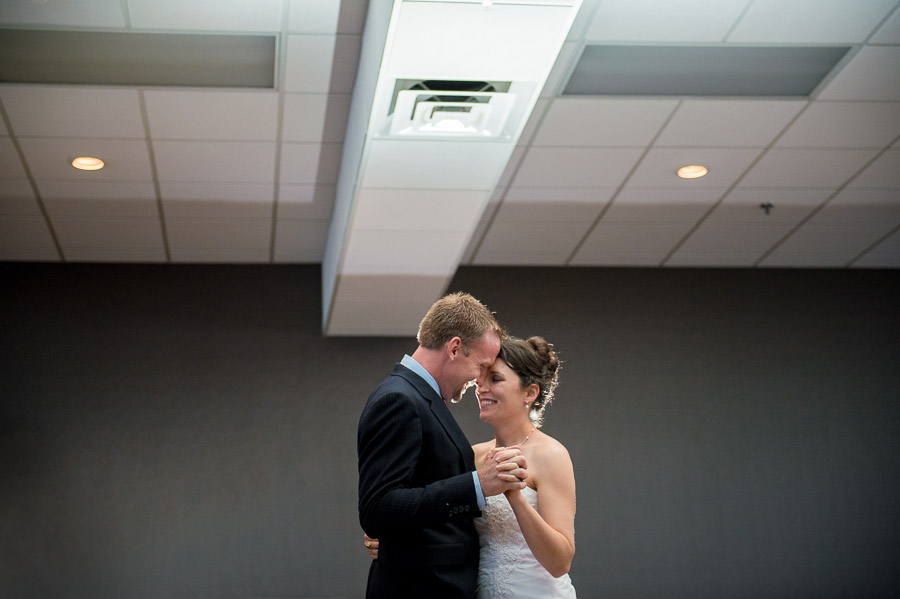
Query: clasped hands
(504, 469)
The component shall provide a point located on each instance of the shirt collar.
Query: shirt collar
(411, 363)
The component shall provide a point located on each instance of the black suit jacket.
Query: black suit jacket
(416, 492)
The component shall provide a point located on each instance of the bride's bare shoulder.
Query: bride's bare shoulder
(482, 449)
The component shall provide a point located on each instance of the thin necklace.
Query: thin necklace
(528, 436)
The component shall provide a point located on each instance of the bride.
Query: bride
(527, 537)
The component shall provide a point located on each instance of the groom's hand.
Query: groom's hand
(503, 470)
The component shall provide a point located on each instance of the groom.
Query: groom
(418, 486)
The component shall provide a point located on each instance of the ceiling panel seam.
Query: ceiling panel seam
(737, 21)
(827, 201)
(877, 242)
(731, 188)
(622, 184)
(126, 13)
(280, 62)
(151, 156)
(31, 181)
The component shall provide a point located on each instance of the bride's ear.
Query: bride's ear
(532, 392)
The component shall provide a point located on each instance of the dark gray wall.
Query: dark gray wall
(184, 431)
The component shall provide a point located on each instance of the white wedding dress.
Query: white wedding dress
(507, 569)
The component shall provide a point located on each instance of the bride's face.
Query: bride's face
(501, 395)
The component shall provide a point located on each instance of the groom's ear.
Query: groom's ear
(454, 348)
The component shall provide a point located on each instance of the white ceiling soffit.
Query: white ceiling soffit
(443, 91)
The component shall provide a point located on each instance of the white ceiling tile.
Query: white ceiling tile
(473, 165)
(602, 122)
(42, 111)
(92, 254)
(826, 245)
(212, 115)
(300, 237)
(218, 200)
(661, 205)
(717, 260)
(711, 123)
(730, 240)
(670, 21)
(725, 165)
(45, 253)
(388, 252)
(107, 233)
(300, 163)
(226, 15)
(313, 16)
(806, 168)
(861, 207)
(346, 61)
(126, 160)
(204, 161)
(494, 257)
(553, 204)
(219, 256)
(304, 117)
(575, 167)
(386, 288)
(873, 74)
(99, 198)
(83, 13)
(353, 16)
(421, 210)
(883, 173)
(17, 198)
(308, 63)
(10, 163)
(630, 243)
(216, 234)
(889, 33)
(884, 255)
(313, 202)
(810, 21)
(24, 232)
(394, 317)
(554, 238)
(844, 125)
(744, 206)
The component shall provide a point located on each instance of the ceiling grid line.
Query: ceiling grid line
(126, 13)
(622, 185)
(733, 186)
(31, 181)
(154, 175)
(872, 246)
(737, 21)
(827, 201)
(279, 125)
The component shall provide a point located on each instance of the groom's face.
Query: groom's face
(467, 368)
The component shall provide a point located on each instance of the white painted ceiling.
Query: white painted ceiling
(237, 175)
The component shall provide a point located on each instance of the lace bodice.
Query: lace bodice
(507, 568)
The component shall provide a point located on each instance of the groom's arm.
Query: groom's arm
(389, 445)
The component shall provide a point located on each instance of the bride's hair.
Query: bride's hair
(536, 363)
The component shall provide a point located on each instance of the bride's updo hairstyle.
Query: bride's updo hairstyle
(536, 363)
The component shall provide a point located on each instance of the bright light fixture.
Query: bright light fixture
(87, 163)
(692, 171)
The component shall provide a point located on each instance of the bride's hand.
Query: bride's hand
(371, 546)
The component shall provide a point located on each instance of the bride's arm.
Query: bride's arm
(550, 534)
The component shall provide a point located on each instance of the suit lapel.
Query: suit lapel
(441, 413)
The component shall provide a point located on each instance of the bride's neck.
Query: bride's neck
(512, 433)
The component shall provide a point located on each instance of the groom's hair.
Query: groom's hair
(456, 315)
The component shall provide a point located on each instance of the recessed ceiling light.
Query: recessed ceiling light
(692, 171)
(87, 163)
